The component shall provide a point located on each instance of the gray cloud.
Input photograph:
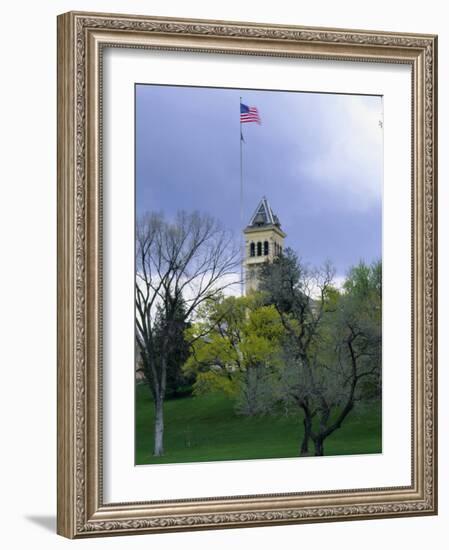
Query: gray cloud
(317, 157)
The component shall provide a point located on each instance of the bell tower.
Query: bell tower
(264, 240)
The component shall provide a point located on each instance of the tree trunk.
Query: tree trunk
(306, 438)
(319, 446)
(158, 428)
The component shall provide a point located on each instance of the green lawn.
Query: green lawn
(206, 428)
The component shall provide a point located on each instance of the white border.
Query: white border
(123, 482)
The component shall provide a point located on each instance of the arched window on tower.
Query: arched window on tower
(252, 249)
(265, 248)
(259, 248)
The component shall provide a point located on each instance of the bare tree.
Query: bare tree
(179, 266)
(332, 344)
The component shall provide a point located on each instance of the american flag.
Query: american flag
(249, 114)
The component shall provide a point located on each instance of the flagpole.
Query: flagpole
(242, 244)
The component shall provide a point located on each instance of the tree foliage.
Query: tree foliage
(300, 341)
(239, 351)
(177, 353)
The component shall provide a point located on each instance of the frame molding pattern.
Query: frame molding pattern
(80, 508)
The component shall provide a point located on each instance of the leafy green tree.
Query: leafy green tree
(362, 316)
(239, 353)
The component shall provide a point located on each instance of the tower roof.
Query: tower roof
(264, 215)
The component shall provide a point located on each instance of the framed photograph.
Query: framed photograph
(247, 282)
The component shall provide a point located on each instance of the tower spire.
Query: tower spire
(264, 241)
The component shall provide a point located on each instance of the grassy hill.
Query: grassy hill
(206, 428)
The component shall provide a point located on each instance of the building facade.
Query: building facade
(264, 240)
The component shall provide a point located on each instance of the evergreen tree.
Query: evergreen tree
(179, 383)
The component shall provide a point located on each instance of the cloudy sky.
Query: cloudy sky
(316, 157)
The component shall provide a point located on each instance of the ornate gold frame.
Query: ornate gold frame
(81, 37)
